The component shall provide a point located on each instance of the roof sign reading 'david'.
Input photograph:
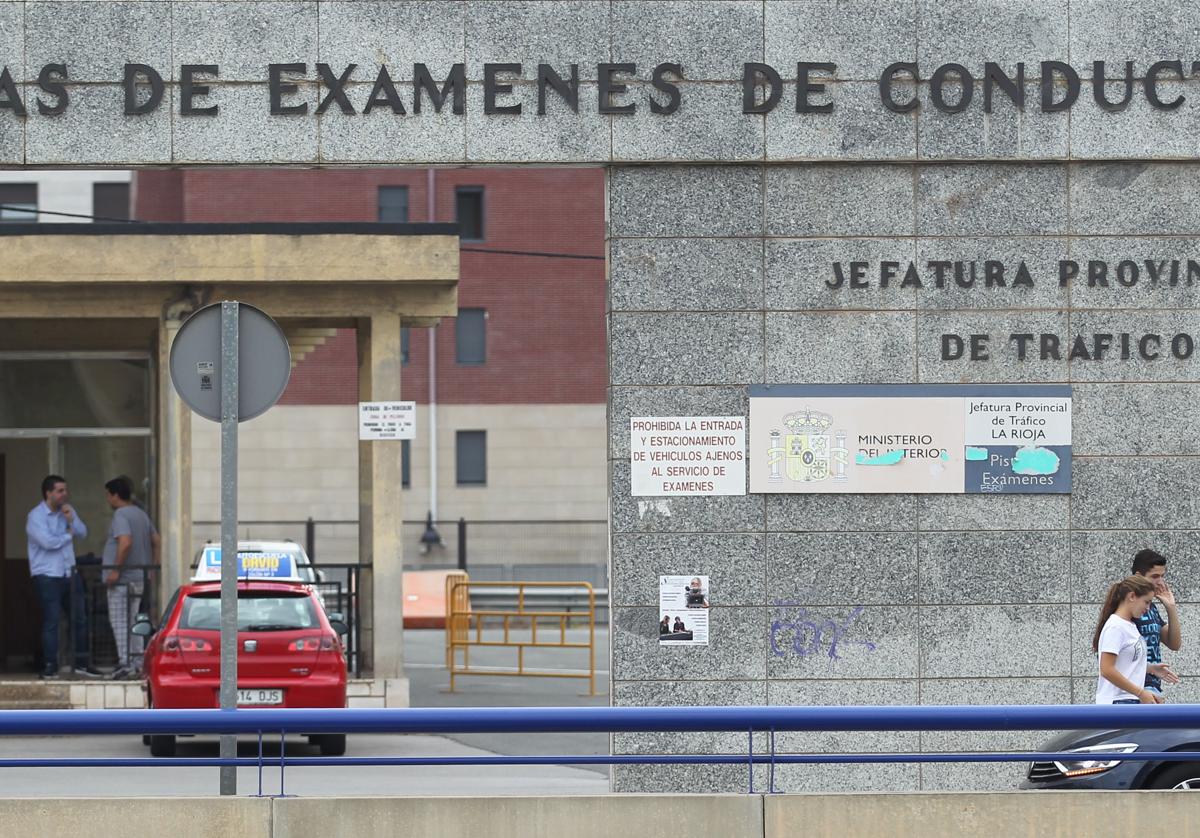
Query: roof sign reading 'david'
(251, 565)
(688, 455)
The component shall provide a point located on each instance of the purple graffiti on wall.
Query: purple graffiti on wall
(795, 631)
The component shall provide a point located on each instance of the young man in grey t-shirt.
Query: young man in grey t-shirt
(133, 543)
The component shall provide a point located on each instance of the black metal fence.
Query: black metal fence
(339, 585)
(341, 589)
(475, 546)
(550, 551)
(326, 540)
(102, 643)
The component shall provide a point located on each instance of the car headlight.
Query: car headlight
(1083, 766)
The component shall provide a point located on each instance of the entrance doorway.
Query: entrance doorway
(85, 416)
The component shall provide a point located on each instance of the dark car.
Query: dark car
(1088, 773)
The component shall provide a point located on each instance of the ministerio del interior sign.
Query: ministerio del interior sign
(919, 438)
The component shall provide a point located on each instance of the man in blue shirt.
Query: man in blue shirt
(51, 528)
(1156, 630)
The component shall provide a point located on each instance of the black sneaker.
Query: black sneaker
(123, 673)
(88, 672)
(47, 674)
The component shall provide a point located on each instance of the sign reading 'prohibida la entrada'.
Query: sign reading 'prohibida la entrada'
(920, 438)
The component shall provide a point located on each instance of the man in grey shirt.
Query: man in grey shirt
(133, 543)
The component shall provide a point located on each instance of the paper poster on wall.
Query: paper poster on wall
(673, 456)
(683, 610)
(921, 438)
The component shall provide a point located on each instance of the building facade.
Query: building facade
(515, 383)
(65, 197)
(34, 438)
(750, 147)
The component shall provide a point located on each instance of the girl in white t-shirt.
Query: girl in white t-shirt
(1121, 646)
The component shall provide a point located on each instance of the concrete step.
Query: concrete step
(35, 691)
(34, 705)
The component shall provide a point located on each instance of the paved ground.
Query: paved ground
(311, 782)
(429, 681)
(430, 684)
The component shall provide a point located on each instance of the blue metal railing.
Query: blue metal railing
(749, 720)
(600, 719)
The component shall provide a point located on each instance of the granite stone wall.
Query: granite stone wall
(921, 599)
(710, 40)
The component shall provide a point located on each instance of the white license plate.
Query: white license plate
(272, 696)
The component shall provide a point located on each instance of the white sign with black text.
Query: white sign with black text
(387, 420)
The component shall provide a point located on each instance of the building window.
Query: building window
(470, 458)
(404, 339)
(405, 464)
(470, 336)
(18, 202)
(393, 204)
(468, 211)
(110, 201)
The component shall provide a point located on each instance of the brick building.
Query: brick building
(519, 377)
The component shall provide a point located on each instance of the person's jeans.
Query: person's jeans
(1127, 701)
(56, 595)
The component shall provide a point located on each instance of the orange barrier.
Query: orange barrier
(457, 603)
(464, 628)
(425, 598)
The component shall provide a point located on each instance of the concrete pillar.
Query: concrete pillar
(174, 469)
(380, 519)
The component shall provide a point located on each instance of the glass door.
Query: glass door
(83, 415)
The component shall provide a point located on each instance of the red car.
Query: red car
(290, 653)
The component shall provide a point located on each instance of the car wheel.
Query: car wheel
(332, 744)
(162, 745)
(1185, 777)
(147, 739)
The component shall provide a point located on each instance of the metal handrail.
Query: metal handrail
(770, 720)
(601, 719)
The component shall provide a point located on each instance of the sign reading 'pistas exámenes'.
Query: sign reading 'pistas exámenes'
(621, 88)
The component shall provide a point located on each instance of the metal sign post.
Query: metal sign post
(229, 463)
(252, 373)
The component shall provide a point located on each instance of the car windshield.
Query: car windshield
(257, 611)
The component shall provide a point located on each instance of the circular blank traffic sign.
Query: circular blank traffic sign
(264, 362)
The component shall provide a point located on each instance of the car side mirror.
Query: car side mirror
(337, 622)
(142, 626)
